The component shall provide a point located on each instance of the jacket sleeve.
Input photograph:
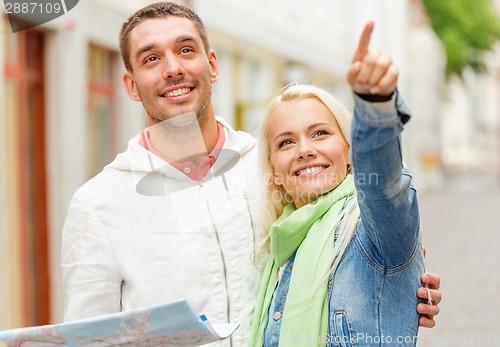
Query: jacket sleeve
(90, 277)
(388, 203)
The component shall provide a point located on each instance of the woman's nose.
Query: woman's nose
(306, 149)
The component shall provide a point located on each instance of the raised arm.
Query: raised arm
(388, 204)
(373, 76)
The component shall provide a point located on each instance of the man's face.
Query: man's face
(172, 74)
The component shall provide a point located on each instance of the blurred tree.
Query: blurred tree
(467, 29)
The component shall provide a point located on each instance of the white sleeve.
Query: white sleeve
(90, 277)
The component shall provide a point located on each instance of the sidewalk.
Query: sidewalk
(461, 231)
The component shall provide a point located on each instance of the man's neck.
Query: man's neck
(179, 139)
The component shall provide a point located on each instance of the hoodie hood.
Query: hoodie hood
(139, 161)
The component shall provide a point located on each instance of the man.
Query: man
(174, 216)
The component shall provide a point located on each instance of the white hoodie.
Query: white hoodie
(142, 233)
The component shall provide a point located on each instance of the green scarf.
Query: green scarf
(309, 231)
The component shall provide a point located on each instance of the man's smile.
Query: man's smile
(177, 92)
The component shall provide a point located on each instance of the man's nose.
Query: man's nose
(172, 67)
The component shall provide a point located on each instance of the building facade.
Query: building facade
(470, 125)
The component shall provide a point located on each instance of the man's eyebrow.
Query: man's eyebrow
(143, 49)
(151, 46)
(187, 38)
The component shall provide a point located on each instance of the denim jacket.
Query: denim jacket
(373, 291)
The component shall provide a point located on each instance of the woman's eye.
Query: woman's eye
(320, 133)
(285, 143)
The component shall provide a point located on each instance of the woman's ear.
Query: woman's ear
(348, 159)
(277, 178)
(349, 168)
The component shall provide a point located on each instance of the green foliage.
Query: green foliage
(467, 28)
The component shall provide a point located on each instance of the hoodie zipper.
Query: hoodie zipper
(251, 224)
(202, 193)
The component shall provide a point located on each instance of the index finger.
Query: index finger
(364, 42)
(432, 280)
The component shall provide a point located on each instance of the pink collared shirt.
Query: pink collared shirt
(187, 167)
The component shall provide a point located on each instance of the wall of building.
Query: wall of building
(6, 275)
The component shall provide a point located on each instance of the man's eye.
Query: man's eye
(186, 50)
(150, 59)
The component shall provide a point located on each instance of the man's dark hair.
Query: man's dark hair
(157, 10)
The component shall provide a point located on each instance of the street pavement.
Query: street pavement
(461, 231)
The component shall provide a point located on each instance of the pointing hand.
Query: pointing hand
(371, 71)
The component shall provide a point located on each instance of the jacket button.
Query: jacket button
(277, 315)
(291, 267)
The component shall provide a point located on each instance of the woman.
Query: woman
(346, 252)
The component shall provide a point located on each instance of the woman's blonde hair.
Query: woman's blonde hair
(275, 197)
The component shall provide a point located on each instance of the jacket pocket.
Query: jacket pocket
(341, 330)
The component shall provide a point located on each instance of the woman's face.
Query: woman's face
(309, 153)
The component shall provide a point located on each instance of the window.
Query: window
(101, 115)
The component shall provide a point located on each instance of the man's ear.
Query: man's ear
(214, 66)
(130, 86)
